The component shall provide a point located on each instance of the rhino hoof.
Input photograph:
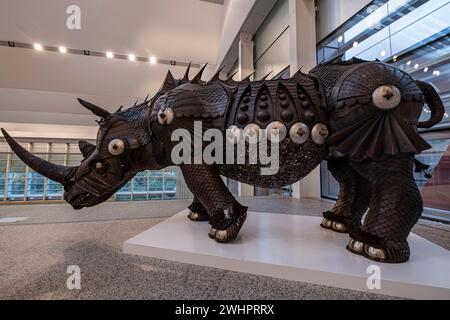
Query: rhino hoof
(197, 216)
(326, 223)
(355, 246)
(339, 227)
(212, 233)
(375, 253)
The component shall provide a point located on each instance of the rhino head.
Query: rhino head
(122, 149)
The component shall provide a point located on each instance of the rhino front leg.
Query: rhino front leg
(353, 198)
(197, 211)
(226, 215)
(395, 206)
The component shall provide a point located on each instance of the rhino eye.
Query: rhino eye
(116, 147)
(99, 166)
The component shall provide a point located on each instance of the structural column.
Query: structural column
(302, 51)
(245, 68)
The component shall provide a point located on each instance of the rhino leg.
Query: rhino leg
(395, 206)
(226, 215)
(197, 211)
(353, 199)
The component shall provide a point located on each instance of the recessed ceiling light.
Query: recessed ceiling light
(355, 44)
(62, 49)
(110, 55)
(38, 46)
(340, 39)
(425, 70)
(131, 57)
(408, 63)
(152, 60)
(383, 53)
(436, 72)
(416, 66)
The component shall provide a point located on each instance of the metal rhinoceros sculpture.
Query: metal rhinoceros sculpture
(360, 116)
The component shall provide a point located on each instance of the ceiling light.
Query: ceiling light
(383, 53)
(152, 60)
(340, 39)
(131, 57)
(436, 72)
(416, 66)
(38, 46)
(62, 49)
(355, 44)
(408, 63)
(109, 55)
(425, 70)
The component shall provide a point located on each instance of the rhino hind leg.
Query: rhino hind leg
(395, 206)
(353, 199)
(197, 211)
(226, 215)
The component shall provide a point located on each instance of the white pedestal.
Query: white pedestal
(295, 248)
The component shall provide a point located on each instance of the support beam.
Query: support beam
(245, 54)
(302, 35)
(245, 68)
(302, 50)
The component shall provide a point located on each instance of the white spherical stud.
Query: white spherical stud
(319, 133)
(116, 147)
(386, 97)
(276, 131)
(252, 133)
(166, 116)
(299, 132)
(234, 134)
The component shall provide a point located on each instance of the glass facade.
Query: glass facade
(20, 183)
(413, 36)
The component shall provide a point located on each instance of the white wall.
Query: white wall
(332, 13)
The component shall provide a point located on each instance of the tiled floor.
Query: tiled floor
(36, 252)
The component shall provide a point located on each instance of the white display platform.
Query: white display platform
(294, 247)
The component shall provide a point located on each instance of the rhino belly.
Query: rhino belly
(296, 161)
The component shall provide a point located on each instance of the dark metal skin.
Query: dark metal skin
(369, 151)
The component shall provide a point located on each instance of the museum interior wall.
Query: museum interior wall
(38, 90)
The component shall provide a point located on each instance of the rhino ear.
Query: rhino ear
(98, 111)
(86, 148)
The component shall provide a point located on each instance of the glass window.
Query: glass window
(20, 183)
(413, 36)
(3, 161)
(436, 190)
(36, 186)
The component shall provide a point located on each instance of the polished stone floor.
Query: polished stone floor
(35, 253)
